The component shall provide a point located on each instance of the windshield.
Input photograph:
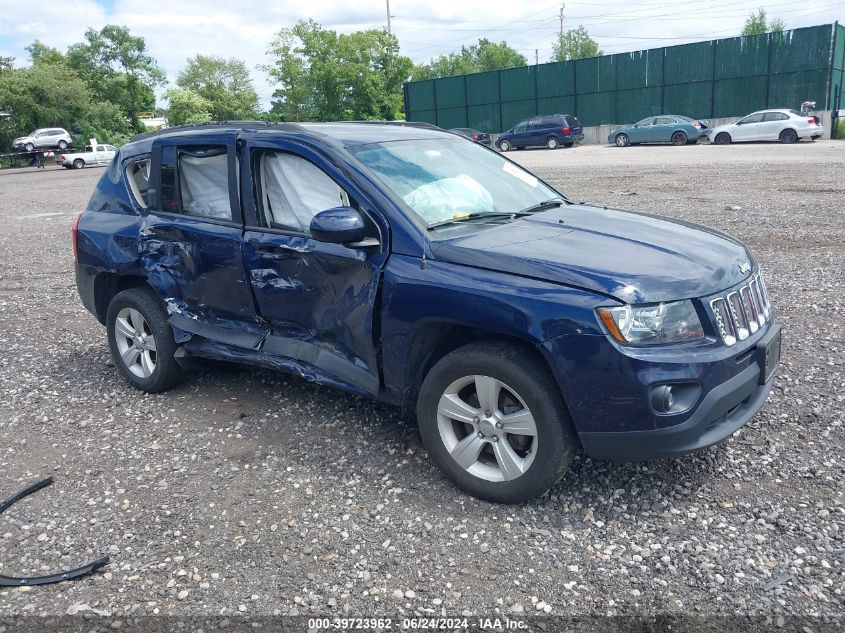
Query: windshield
(442, 179)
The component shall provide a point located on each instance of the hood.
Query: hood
(633, 257)
(721, 128)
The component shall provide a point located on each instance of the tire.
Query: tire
(568, 145)
(499, 466)
(622, 140)
(788, 136)
(29, 147)
(78, 163)
(722, 138)
(679, 138)
(692, 142)
(151, 347)
(552, 142)
(504, 146)
(62, 144)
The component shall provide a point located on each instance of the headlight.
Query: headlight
(653, 324)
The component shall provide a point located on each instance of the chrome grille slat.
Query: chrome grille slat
(741, 312)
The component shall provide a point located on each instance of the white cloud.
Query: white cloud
(243, 28)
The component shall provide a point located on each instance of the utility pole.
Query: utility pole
(388, 17)
(562, 7)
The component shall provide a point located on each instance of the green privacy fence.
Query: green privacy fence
(717, 78)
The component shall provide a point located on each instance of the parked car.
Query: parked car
(786, 126)
(93, 155)
(402, 263)
(666, 128)
(552, 131)
(473, 135)
(45, 138)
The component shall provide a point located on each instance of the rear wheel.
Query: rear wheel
(622, 140)
(141, 341)
(493, 420)
(679, 138)
(551, 142)
(568, 145)
(78, 163)
(504, 146)
(722, 138)
(788, 136)
(62, 144)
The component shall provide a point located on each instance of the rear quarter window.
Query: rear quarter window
(138, 179)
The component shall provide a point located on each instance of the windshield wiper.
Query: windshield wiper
(472, 216)
(543, 206)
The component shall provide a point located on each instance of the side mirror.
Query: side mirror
(341, 225)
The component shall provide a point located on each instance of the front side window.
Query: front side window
(195, 181)
(665, 121)
(520, 127)
(443, 179)
(752, 118)
(101, 148)
(294, 190)
(645, 122)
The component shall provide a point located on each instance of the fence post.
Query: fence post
(715, 45)
(499, 89)
(436, 110)
(828, 96)
(662, 80)
(574, 86)
(768, 68)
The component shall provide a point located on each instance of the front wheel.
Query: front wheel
(29, 147)
(722, 138)
(788, 136)
(679, 138)
(504, 146)
(141, 341)
(62, 144)
(551, 142)
(622, 140)
(493, 421)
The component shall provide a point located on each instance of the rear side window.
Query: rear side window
(195, 181)
(138, 179)
(775, 116)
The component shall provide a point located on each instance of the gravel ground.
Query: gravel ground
(251, 492)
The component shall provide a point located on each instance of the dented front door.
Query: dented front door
(318, 298)
(190, 243)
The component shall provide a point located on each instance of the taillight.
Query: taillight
(813, 120)
(74, 233)
(475, 137)
(696, 124)
(62, 158)
(565, 130)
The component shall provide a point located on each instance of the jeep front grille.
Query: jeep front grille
(742, 311)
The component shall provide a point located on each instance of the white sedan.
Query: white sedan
(786, 126)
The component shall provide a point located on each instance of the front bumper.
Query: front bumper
(725, 409)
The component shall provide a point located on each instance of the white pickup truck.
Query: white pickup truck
(93, 155)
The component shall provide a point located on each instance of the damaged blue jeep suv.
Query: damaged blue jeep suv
(409, 265)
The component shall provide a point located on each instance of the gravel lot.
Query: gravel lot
(251, 492)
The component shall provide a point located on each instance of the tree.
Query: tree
(575, 44)
(187, 106)
(756, 24)
(225, 84)
(320, 75)
(480, 57)
(40, 53)
(6, 64)
(117, 68)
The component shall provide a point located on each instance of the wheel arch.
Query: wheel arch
(434, 340)
(107, 285)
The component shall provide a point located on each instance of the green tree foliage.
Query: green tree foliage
(42, 96)
(755, 24)
(41, 54)
(6, 64)
(225, 84)
(117, 68)
(187, 106)
(480, 57)
(575, 44)
(322, 75)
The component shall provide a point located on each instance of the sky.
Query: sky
(175, 29)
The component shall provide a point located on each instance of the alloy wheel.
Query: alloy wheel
(487, 428)
(135, 342)
(621, 140)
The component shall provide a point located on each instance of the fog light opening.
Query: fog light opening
(662, 398)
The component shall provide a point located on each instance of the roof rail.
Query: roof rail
(211, 125)
(419, 124)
